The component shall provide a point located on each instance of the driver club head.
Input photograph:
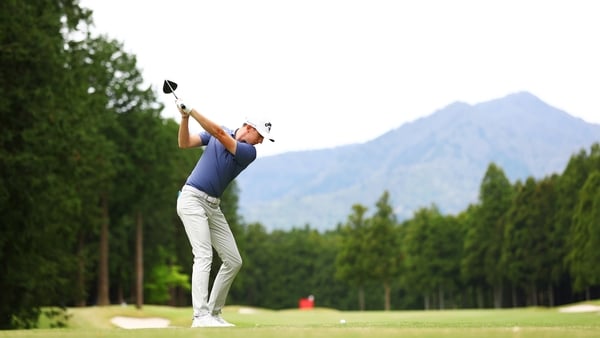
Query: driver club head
(169, 87)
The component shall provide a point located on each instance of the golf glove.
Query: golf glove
(186, 109)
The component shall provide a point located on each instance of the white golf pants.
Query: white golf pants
(206, 227)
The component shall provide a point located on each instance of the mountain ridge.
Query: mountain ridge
(440, 158)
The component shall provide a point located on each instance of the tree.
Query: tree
(41, 120)
(290, 266)
(381, 246)
(483, 240)
(550, 259)
(352, 264)
(94, 153)
(525, 248)
(569, 186)
(164, 276)
(584, 237)
(415, 247)
(447, 241)
(253, 278)
(466, 220)
(144, 169)
(433, 247)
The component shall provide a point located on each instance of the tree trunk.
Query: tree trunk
(498, 294)
(514, 296)
(103, 298)
(480, 303)
(588, 294)
(550, 295)
(139, 261)
(361, 298)
(426, 302)
(80, 301)
(386, 288)
(533, 295)
(172, 296)
(120, 296)
(441, 298)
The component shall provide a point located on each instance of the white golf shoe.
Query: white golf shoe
(205, 321)
(222, 321)
(210, 321)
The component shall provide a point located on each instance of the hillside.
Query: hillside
(437, 159)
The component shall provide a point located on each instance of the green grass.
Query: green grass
(94, 322)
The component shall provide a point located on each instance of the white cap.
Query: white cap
(262, 126)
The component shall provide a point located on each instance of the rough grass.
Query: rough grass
(260, 323)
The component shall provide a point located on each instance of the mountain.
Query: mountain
(437, 159)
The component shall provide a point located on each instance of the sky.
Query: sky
(336, 72)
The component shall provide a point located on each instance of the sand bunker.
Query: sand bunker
(580, 308)
(140, 323)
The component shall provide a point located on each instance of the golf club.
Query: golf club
(169, 87)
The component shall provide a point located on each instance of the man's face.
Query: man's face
(252, 136)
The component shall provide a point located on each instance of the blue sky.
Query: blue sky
(335, 72)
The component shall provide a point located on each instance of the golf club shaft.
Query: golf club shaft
(172, 90)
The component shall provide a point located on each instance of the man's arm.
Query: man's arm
(212, 128)
(184, 139)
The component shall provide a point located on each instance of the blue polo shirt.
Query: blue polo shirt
(217, 167)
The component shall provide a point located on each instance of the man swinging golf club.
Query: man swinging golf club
(226, 154)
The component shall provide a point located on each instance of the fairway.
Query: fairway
(260, 323)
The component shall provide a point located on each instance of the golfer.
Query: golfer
(225, 155)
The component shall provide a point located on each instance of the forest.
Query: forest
(89, 175)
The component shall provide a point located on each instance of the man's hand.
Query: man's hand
(183, 108)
